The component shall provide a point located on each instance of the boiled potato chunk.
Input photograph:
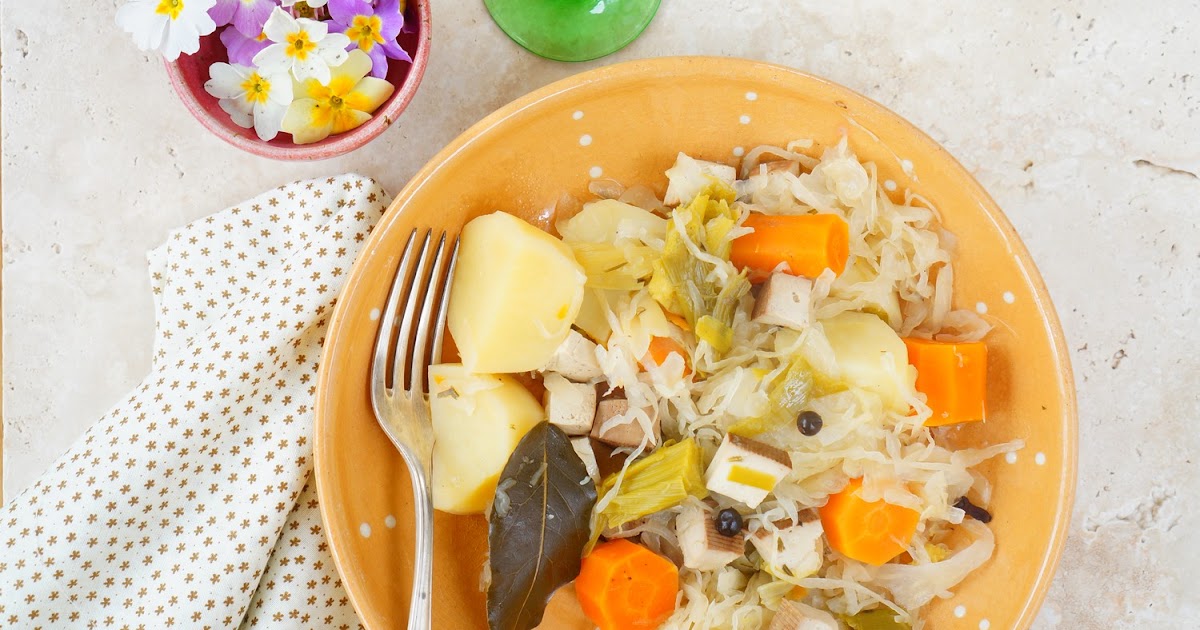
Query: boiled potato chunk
(515, 293)
(870, 355)
(478, 419)
(591, 318)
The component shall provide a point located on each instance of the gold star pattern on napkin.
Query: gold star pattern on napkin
(189, 504)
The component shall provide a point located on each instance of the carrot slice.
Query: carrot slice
(678, 320)
(870, 532)
(808, 243)
(953, 377)
(624, 586)
(661, 348)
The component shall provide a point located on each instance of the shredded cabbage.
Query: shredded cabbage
(661, 268)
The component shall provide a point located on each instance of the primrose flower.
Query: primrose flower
(372, 29)
(306, 47)
(172, 27)
(346, 102)
(242, 49)
(251, 99)
(247, 16)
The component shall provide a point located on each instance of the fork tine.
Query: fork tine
(444, 307)
(416, 380)
(412, 296)
(387, 324)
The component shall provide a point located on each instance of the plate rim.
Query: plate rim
(735, 67)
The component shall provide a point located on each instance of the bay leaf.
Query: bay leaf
(538, 527)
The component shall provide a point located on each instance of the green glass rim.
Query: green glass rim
(597, 32)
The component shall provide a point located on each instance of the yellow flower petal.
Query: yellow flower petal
(308, 121)
(355, 67)
(369, 94)
(348, 119)
(310, 88)
(341, 86)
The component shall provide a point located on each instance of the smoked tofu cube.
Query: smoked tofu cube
(628, 434)
(746, 470)
(794, 615)
(575, 359)
(783, 300)
(570, 406)
(583, 448)
(704, 548)
(791, 552)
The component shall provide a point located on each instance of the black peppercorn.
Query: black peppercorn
(729, 522)
(809, 423)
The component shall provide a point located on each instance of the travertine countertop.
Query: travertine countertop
(1080, 117)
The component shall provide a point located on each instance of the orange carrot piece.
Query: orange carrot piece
(808, 243)
(624, 586)
(661, 348)
(953, 377)
(873, 532)
(678, 320)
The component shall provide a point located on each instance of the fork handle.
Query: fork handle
(420, 611)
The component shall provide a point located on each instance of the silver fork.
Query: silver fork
(400, 404)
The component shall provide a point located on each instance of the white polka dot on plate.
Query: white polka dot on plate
(745, 119)
(585, 140)
(960, 611)
(739, 151)
(577, 115)
(889, 184)
(364, 530)
(984, 624)
(980, 308)
(374, 314)
(1040, 459)
(595, 172)
(1011, 458)
(390, 521)
(1009, 298)
(751, 96)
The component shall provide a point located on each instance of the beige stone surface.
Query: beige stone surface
(1080, 117)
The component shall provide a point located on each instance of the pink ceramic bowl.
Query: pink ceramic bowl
(190, 72)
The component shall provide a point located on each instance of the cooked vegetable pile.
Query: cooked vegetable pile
(721, 408)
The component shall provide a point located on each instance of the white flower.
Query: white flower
(251, 99)
(312, 3)
(169, 26)
(304, 46)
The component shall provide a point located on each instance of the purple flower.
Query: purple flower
(247, 16)
(372, 28)
(242, 49)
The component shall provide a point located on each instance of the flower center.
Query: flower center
(299, 45)
(365, 31)
(170, 8)
(336, 102)
(301, 9)
(257, 88)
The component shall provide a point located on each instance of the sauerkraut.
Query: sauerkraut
(742, 373)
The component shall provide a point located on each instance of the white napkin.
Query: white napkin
(189, 505)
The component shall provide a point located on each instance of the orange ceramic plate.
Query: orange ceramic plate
(627, 122)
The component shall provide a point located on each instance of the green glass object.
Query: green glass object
(572, 30)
